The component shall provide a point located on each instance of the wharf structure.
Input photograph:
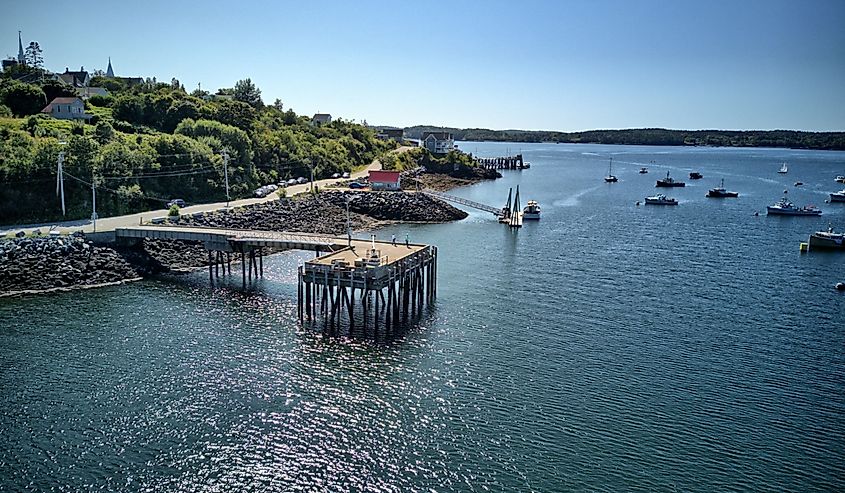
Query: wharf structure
(393, 280)
(503, 162)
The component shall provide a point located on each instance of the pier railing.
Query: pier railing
(460, 200)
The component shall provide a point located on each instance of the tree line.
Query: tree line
(653, 136)
(154, 141)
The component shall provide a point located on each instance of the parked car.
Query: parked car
(356, 185)
(336, 175)
(262, 191)
(346, 174)
(301, 180)
(292, 181)
(177, 202)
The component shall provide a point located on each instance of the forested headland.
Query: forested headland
(150, 142)
(652, 136)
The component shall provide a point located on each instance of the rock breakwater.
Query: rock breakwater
(46, 263)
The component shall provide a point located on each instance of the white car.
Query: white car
(346, 174)
(336, 175)
(292, 181)
(301, 180)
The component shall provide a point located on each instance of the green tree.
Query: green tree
(129, 108)
(103, 133)
(23, 99)
(55, 89)
(5, 111)
(113, 85)
(246, 92)
(236, 113)
(33, 55)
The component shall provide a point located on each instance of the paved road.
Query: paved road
(110, 223)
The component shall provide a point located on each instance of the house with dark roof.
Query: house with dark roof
(75, 79)
(397, 134)
(438, 142)
(321, 119)
(66, 109)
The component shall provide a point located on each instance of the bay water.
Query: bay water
(609, 346)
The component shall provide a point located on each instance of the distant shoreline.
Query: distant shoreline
(778, 139)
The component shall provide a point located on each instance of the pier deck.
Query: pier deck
(393, 279)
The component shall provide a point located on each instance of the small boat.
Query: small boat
(840, 179)
(610, 178)
(799, 183)
(531, 211)
(785, 208)
(840, 286)
(827, 239)
(720, 192)
(669, 182)
(695, 175)
(643, 170)
(838, 196)
(783, 168)
(660, 199)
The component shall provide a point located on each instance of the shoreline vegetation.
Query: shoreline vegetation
(148, 142)
(792, 139)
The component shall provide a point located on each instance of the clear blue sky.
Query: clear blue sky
(553, 65)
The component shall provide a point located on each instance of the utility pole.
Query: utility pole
(348, 223)
(60, 181)
(311, 167)
(94, 200)
(226, 174)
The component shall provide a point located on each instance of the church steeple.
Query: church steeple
(109, 71)
(21, 58)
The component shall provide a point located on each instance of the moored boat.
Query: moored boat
(695, 175)
(840, 179)
(610, 178)
(669, 182)
(531, 211)
(783, 168)
(720, 192)
(786, 208)
(660, 199)
(837, 196)
(643, 170)
(827, 239)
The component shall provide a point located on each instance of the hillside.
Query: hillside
(150, 142)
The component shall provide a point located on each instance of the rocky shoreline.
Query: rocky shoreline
(42, 264)
(48, 264)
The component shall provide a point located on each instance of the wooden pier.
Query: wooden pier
(392, 283)
(503, 162)
(393, 280)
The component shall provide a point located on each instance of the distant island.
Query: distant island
(651, 136)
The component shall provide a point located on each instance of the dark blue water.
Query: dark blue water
(608, 347)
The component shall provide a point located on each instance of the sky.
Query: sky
(566, 65)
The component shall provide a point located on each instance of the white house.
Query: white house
(385, 180)
(66, 109)
(87, 92)
(438, 142)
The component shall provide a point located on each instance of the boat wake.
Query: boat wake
(575, 199)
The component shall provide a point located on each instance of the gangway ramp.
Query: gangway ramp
(497, 211)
